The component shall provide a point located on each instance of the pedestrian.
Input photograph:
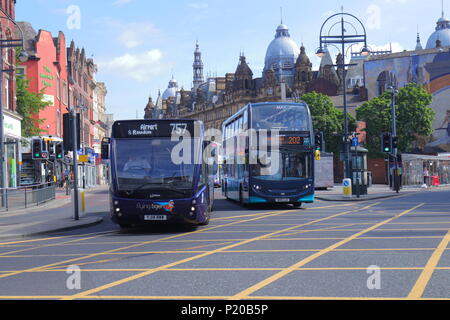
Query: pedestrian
(426, 176)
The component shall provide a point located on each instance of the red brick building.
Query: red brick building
(46, 69)
(7, 31)
(11, 119)
(82, 84)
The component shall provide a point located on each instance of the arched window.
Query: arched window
(384, 80)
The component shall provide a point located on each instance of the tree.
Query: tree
(414, 118)
(328, 119)
(28, 106)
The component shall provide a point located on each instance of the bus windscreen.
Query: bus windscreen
(147, 165)
(280, 117)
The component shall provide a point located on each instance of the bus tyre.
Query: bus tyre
(208, 217)
(124, 226)
(297, 205)
(241, 197)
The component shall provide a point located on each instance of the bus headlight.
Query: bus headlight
(116, 203)
(194, 202)
(193, 209)
(117, 209)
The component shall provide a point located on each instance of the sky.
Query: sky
(139, 45)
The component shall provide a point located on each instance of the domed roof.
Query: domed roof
(171, 91)
(442, 33)
(281, 50)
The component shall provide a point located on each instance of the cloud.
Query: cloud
(135, 34)
(198, 5)
(141, 67)
(121, 2)
(374, 17)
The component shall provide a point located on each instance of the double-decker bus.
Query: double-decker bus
(280, 131)
(158, 172)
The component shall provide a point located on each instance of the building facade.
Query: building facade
(12, 129)
(100, 128)
(287, 75)
(46, 71)
(429, 67)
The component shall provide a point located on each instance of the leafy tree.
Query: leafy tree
(328, 119)
(28, 106)
(414, 118)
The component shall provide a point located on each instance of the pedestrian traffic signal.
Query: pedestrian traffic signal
(386, 143)
(320, 144)
(59, 151)
(39, 149)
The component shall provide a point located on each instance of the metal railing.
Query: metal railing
(26, 197)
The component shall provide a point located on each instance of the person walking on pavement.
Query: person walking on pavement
(426, 176)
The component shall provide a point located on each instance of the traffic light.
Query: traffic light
(59, 151)
(68, 131)
(36, 148)
(386, 143)
(51, 149)
(320, 143)
(39, 149)
(394, 143)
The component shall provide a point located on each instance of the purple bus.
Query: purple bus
(158, 173)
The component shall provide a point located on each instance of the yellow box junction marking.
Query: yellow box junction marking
(421, 284)
(247, 292)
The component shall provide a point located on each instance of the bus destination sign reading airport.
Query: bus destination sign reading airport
(138, 129)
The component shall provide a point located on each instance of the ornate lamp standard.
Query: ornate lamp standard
(7, 43)
(337, 34)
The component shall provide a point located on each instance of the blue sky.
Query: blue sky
(139, 44)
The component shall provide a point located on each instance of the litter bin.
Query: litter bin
(435, 181)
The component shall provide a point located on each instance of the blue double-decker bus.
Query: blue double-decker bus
(158, 172)
(269, 154)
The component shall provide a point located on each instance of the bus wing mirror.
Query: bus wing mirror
(105, 148)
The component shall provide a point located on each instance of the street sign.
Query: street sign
(355, 142)
(83, 158)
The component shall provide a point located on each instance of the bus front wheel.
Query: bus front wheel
(297, 205)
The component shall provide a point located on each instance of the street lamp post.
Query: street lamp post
(7, 43)
(395, 175)
(343, 39)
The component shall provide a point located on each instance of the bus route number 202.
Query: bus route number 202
(246, 309)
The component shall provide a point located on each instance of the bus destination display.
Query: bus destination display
(150, 129)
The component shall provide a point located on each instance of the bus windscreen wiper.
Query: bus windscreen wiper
(159, 184)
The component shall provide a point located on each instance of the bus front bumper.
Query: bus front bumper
(141, 212)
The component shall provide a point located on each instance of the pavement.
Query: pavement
(376, 192)
(54, 216)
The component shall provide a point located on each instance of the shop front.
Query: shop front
(12, 129)
(420, 169)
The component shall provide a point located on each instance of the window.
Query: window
(58, 88)
(64, 92)
(7, 105)
(20, 71)
(58, 123)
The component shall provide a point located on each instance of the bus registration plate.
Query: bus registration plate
(282, 200)
(155, 218)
